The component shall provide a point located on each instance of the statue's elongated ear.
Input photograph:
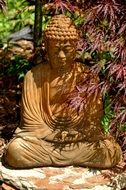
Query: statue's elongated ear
(47, 43)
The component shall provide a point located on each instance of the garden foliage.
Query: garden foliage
(2, 4)
(17, 15)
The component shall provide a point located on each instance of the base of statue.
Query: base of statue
(65, 178)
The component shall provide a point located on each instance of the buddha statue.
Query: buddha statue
(51, 133)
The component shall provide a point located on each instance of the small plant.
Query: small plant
(108, 114)
(17, 67)
(17, 15)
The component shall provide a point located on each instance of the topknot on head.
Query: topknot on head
(61, 28)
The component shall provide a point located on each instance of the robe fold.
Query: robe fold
(49, 138)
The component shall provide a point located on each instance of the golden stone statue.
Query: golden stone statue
(51, 133)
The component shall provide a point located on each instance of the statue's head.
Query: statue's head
(60, 39)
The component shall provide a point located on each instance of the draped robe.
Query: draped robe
(50, 136)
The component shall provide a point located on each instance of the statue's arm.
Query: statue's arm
(32, 122)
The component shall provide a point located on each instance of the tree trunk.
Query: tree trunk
(38, 27)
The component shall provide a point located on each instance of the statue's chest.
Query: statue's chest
(59, 89)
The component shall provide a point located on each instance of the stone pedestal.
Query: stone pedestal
(67, 178)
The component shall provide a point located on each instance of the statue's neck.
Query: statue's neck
(62, 68)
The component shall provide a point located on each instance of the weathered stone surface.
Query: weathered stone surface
(67, 178)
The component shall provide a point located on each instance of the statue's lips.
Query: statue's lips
(62, 60)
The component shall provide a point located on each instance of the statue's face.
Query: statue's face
(60, 52)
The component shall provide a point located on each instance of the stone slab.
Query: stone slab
(67, 178)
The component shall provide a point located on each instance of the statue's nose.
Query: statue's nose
(62, 54)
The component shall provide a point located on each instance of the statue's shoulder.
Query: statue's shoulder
(38, 70)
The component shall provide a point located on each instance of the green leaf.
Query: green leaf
(21, 76)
